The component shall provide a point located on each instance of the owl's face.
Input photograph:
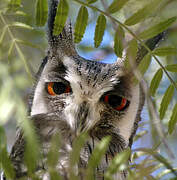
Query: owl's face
(89, 96)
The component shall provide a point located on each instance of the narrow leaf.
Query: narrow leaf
(99, 30)
(131, 54)
(156, 29)
(166, 101)
(118, 45)
(96, 157)
(171, 67)
(21, 25)
(4, 157)
(142, 13)
(91, 1)
(165, 51)
(81, 24)
(156, 81)
(41, 12)
(61, 17)
(173, 120)
(116, 163)
(143, 66)
(116, 5)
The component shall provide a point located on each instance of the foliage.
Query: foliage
(19, 39)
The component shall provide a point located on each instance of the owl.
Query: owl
(73, 95)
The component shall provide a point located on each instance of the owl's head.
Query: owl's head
(87, 95)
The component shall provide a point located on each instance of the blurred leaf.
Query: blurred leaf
(53, 154)
(143, 66)
(166, 101)
(171, 67)
(173, 120)
(156, 29)
(118, 45)
(4, 157)
(99, 30)
(115, 166)
(81, 24)
(91, 1)
(141, 14)
(61, 17)
(78, 144)
(96, 157)
(41, 12)
(116, 5)
(140, 135)
(14, 4)
(159, 158)
(156, 81)
(165, 51)
(21, 25)
(131, 54)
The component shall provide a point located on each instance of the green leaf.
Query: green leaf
(4, 157)
(165, 51)
(166, 101)
(78, 144)
(61, 17)
(96, 157)
(41, 12)
(116, 5)
(142, 13)
(171, 67)
(81, 24)
(119, 160)
(14, 4)
(118, 45)
(99, 30)
(173, 120)
(143, 66)
(91, 1)
(156, 29)
(21, 25)
(156, 81)
(131, 54)
(53, 154)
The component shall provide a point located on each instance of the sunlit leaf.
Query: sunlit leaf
(61, 17)
(156, 81)
(171, 67)
(165, 51)
(118, 44)
(81, 24)
(21, 25)
(96, 157)
(141, 14)
(41, 12)
(99, 30)
(173, 120)
(166, 101)
(115, 166)
(156, 29)
(116, 5)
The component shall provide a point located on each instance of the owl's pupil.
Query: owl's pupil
(59, 87)
(114, 100)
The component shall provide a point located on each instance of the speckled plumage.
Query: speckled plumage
(81, 110)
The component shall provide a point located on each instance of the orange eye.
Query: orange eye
(116, 102)
(57, 88)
